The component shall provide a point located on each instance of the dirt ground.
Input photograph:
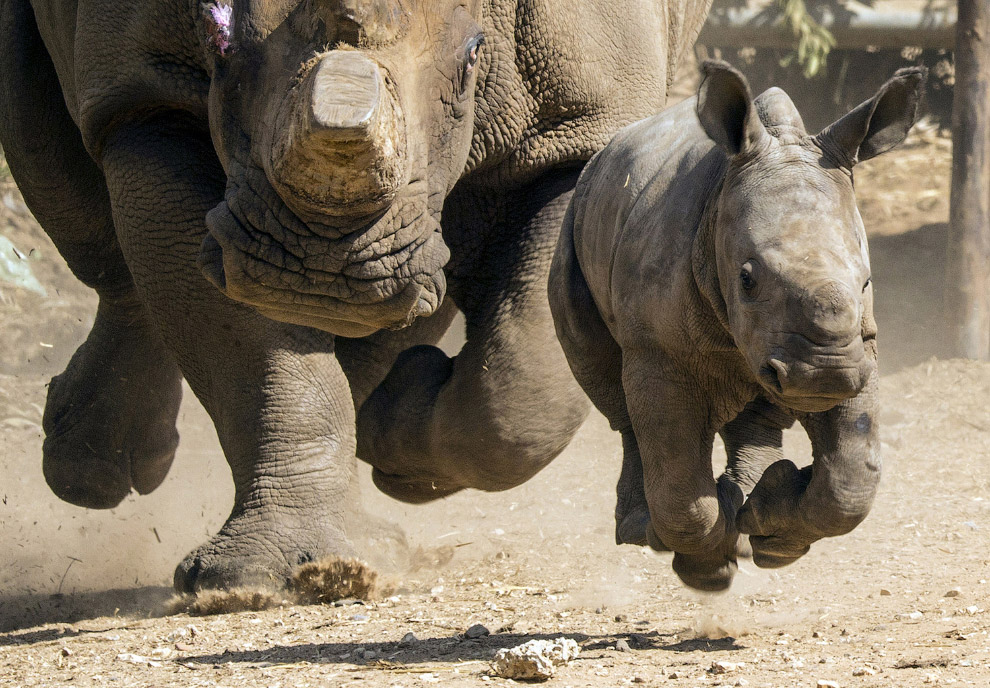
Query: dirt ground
(902, 601)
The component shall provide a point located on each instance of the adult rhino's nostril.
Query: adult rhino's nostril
(774, 374)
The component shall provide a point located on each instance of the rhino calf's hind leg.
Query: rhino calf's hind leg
(110, 417)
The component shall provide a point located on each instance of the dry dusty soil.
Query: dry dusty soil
(904, 600)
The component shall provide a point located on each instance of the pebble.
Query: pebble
(884, 592)
(476, 631)
(369, 654)
(360, 617)
(865, 671)
(622, 646)
(822, 683)
(347, 602)
(408, 639)
(536, 660)
(952, 593)
(724, 667)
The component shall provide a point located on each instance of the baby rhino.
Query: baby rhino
(712, 275)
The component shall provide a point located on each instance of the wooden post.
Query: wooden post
(968, 271)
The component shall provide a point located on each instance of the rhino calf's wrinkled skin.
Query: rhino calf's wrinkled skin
(712, 275)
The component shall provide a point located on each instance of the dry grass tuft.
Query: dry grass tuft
(322, 582)
(210, 602)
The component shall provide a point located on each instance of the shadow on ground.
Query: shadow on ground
(30, 610)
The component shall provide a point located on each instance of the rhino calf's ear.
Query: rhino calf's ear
(725, 109)
(880, 123)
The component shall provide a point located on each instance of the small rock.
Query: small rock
(476, 631)
(865, 671)
(674, 675)
(536, 660)
(638, 679)
(622, 646)
(884, 592)
(741, 682)
(360, 617)
(369, 654)
(822, 683)
(408, 639)
(724, 667)
(952, 593)
(621, 618)
(65, 652)
(347, 602)
(184, 647)
(816, 634)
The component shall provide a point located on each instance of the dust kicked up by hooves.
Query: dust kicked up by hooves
(318, 582)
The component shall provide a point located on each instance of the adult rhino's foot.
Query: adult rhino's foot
(110, 417)
(393, 428)
(778, 532)
(261, 551)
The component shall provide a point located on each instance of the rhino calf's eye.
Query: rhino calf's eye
(867, 283)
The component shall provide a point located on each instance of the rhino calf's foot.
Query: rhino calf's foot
(110, 416)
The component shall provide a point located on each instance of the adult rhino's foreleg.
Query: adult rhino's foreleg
(506, 405)
(276, 393)
(110, 417)
(791, 508)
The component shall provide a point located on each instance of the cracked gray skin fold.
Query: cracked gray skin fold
(712, 276)
(286, 205)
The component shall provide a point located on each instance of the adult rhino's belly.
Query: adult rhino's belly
(381, 272)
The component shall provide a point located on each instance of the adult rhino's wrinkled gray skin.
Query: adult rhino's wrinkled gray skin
(271, 196)
(712, 275)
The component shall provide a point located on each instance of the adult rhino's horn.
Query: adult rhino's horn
(776, 109)
(340, 151)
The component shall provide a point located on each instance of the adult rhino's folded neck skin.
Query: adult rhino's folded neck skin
(338, 160)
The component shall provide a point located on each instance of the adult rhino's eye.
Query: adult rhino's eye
(746, 277)
(867, 283)
(472, 51)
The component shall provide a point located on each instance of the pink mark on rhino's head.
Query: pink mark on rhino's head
(219, 23)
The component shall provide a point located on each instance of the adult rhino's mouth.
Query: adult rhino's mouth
(382, 272)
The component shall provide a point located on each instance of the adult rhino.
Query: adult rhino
(712, 276)
(270, 196)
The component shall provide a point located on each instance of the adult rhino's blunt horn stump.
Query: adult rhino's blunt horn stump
(341, 149)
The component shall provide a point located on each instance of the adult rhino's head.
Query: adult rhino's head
(793, 268)
(341, 125)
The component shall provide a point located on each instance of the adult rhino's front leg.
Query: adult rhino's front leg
(791, 508)
(275, 392)
(506, 405)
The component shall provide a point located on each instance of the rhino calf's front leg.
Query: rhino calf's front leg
(791, 508)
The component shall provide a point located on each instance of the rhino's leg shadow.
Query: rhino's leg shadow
(110, 417)
(275, 392)
(506, 405)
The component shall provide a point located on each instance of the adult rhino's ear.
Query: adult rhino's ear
(725, 108)
(880, 123)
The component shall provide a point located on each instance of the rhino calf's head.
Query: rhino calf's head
(793, 268)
